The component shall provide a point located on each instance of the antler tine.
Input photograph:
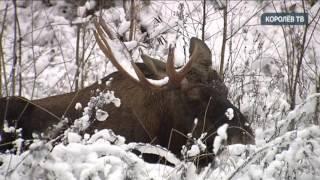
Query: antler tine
(105, 28)
(170, 69)
(144, 80)
(104, 46)
(186, 68)
(174, 76)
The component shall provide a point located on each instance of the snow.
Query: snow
(83, 122)
(157, 150)
(78, 106)
(222, 131)
(81, 11)
(74, 137)
(123, 27)
(220, 138)
(8, 129)
(90, 4)
(195, 122)
(131, 45)
(229, 113)
(216, 144)
(193, 151)
(101, 115)
(196, 148)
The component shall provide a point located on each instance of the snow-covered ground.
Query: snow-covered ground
(256, 72)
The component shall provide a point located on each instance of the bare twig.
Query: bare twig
(2, 65)
(203, 20)
(14, 51)
(19, 58)
(224, 38)
(132, 20)
(299, 63)
(76, 77)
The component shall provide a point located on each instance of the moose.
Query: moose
(149, 111)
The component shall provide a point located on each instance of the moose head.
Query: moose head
(159, 105)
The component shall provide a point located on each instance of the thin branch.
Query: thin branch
(14, 50)
(203, 19)
(2, 64)
(132, 20)
(76, 77)
(224, 38)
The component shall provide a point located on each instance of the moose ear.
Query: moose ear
(202, 64)
(157, 67)
(202, 51)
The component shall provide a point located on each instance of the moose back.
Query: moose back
(148, 112)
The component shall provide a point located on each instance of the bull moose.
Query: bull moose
(149, 111)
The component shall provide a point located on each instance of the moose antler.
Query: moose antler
(105, 47)
(175, 77)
